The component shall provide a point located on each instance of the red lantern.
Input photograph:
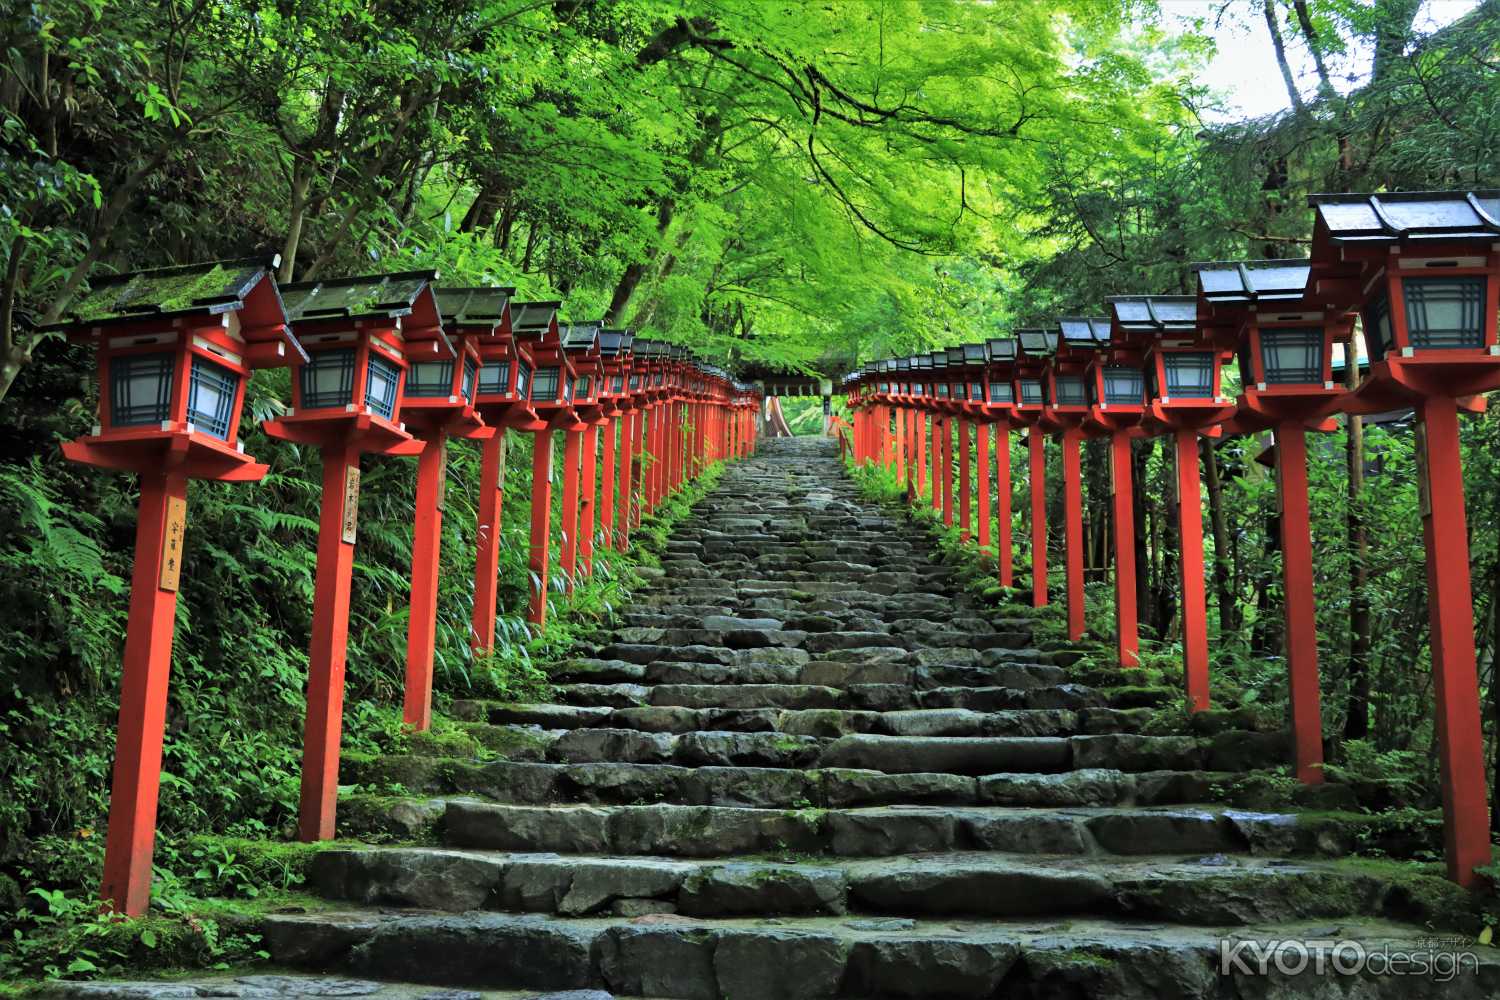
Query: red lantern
(174, 347)
(1424, 269)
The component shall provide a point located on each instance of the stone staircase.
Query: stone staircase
(809, 764)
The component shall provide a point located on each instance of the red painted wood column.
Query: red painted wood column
(588, 484)
(572, 445)
(1004, 543)
(1450, 607)
(937, 461)
(608, 484)
(143, 700)
(1073, 529)
(627, 467)
(427, 536)
(1036, 444)
(638, 499)
(898, 416)
(541, 527)
(487, 541)
(965, 484)
(919, 438)
(1127, 627)
(1299, 603)
(1194, 596)
(982, 482)
(948, 513)
(323, 726)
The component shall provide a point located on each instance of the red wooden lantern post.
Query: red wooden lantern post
(360, 334)
(581, 345)
(1424, 268)
(536, 329)
(916, 390)
(614, 397)
(1000, 407)
(174, 347)
(1033, 348)
(1183, 365)
(976, 406)
(1067, 410)
(1117, 403)
(502, 392)
(437, 403)
(958, 402)
(1286, 370)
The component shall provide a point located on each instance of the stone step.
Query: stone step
(1216, 889)
(613, 783)
(873, 831)
(814, 722)
(806, 958)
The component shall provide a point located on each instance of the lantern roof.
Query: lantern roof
(939, 359)
(1036, 342)
(615, 343)
(1083, 331)
(648, 349)
(1155, 314)
(476, 306)
(382, 296)
(974, 354)
(581, 336)
(211, 287)
(1001, 348)
(534, 319)
(1408, 216)
(922, 362)
(1245, 283)
(903, 364)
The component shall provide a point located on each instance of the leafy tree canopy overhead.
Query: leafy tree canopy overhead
(795, 184)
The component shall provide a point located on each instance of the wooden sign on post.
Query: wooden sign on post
(171, 543)
(350, 520)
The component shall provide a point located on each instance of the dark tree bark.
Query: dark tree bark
(1357, 711)
(1218, 521)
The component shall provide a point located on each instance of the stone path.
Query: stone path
(808, 765)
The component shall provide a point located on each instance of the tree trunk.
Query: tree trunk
(1268, 7)
(636, 269)
(302, 175)
(1223, 593)
(1357, 711)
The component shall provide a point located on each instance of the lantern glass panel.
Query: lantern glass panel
(471, 369)
(381, 386)
(494, 379)
(1292, 355)
(1380, 336)
(1069, 390)
(567, 392)
(430, 379)
(140, 389)
(546, 386)
(1190, 374)
(328, 379)
(1444, 313)
(211, 392)
(976, 391)
(617, 385)
(1031, 392)
(1002, 392)
(960, 390)
(635, 383)
(585, 386)
(523, 380)
(1124, 385)
(942, 390)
